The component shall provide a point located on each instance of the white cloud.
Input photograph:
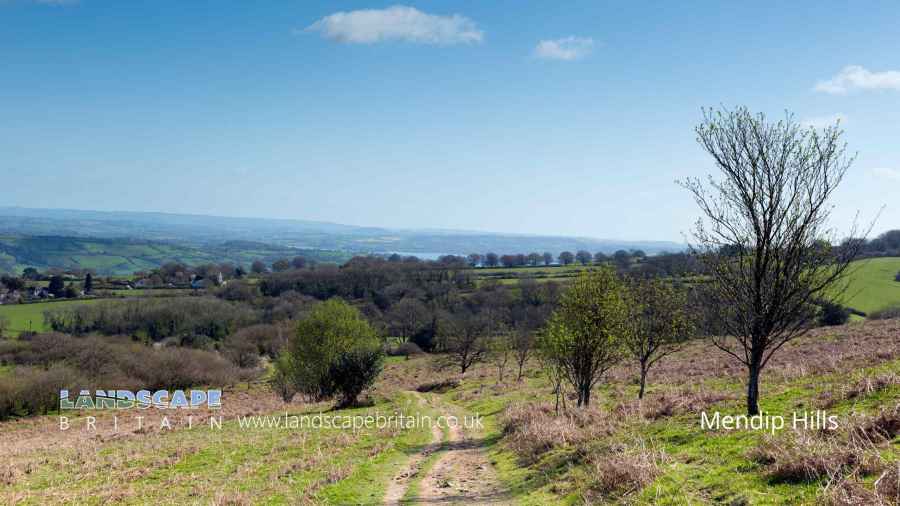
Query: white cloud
(820, 122)
(567, 48)
(399, 22)
(855, 77)
(886, 173)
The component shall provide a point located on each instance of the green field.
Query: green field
(30, 317)
(872, 286)
(126, 256)
(871, 281)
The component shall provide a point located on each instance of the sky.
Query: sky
(562, 118)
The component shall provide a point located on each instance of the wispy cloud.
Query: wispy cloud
(820, 122)
(857, 78)
(567, 48)
(887, 173)
(369, 26)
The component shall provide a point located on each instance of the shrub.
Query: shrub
(282, 379)
(872, 384)
(887, 486)
(533, 429)
(332, 329)
(438, 386)
(805, 456)
(268, 339)
(34, 391)
(240, 352)
(625, 469)
(684, 401)
(406, 349)
(50, 361)
(353, 371)
(425, 340)
(884, 427)
(885, 314)
(833, 314)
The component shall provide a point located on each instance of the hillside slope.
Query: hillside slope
(872, 286)
(124, 256)
(297, 233)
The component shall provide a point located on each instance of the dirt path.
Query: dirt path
(400, 484)
(462, 474)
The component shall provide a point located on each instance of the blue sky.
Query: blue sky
(531, 117)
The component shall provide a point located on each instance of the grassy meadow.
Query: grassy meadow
(30, 317)
(872, 286)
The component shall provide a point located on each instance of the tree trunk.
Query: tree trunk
(584, 396)
(558, 393)
(643, 381)
(753, 389)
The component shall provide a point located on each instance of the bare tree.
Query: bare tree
(407, 317)
(501, 351)
(523, 344)
(770, 208)
(464, 336)
(660, 323)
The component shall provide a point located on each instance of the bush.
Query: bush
(268, 339)
(625, 469)
(439, 387)
(807, 456)
(885, 314)
(833, 314)
(353, 372)
(51, 361)
(406, 349)
(425, 340)
(240, 352)
(532, 429)
(282, 379)
(35, 391)
(887, 486)
(332, 330)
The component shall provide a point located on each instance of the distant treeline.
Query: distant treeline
(886, 244)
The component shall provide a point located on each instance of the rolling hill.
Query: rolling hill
(295, 233)
(122, 256)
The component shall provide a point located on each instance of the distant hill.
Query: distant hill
(122, 256)
(295, 233)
